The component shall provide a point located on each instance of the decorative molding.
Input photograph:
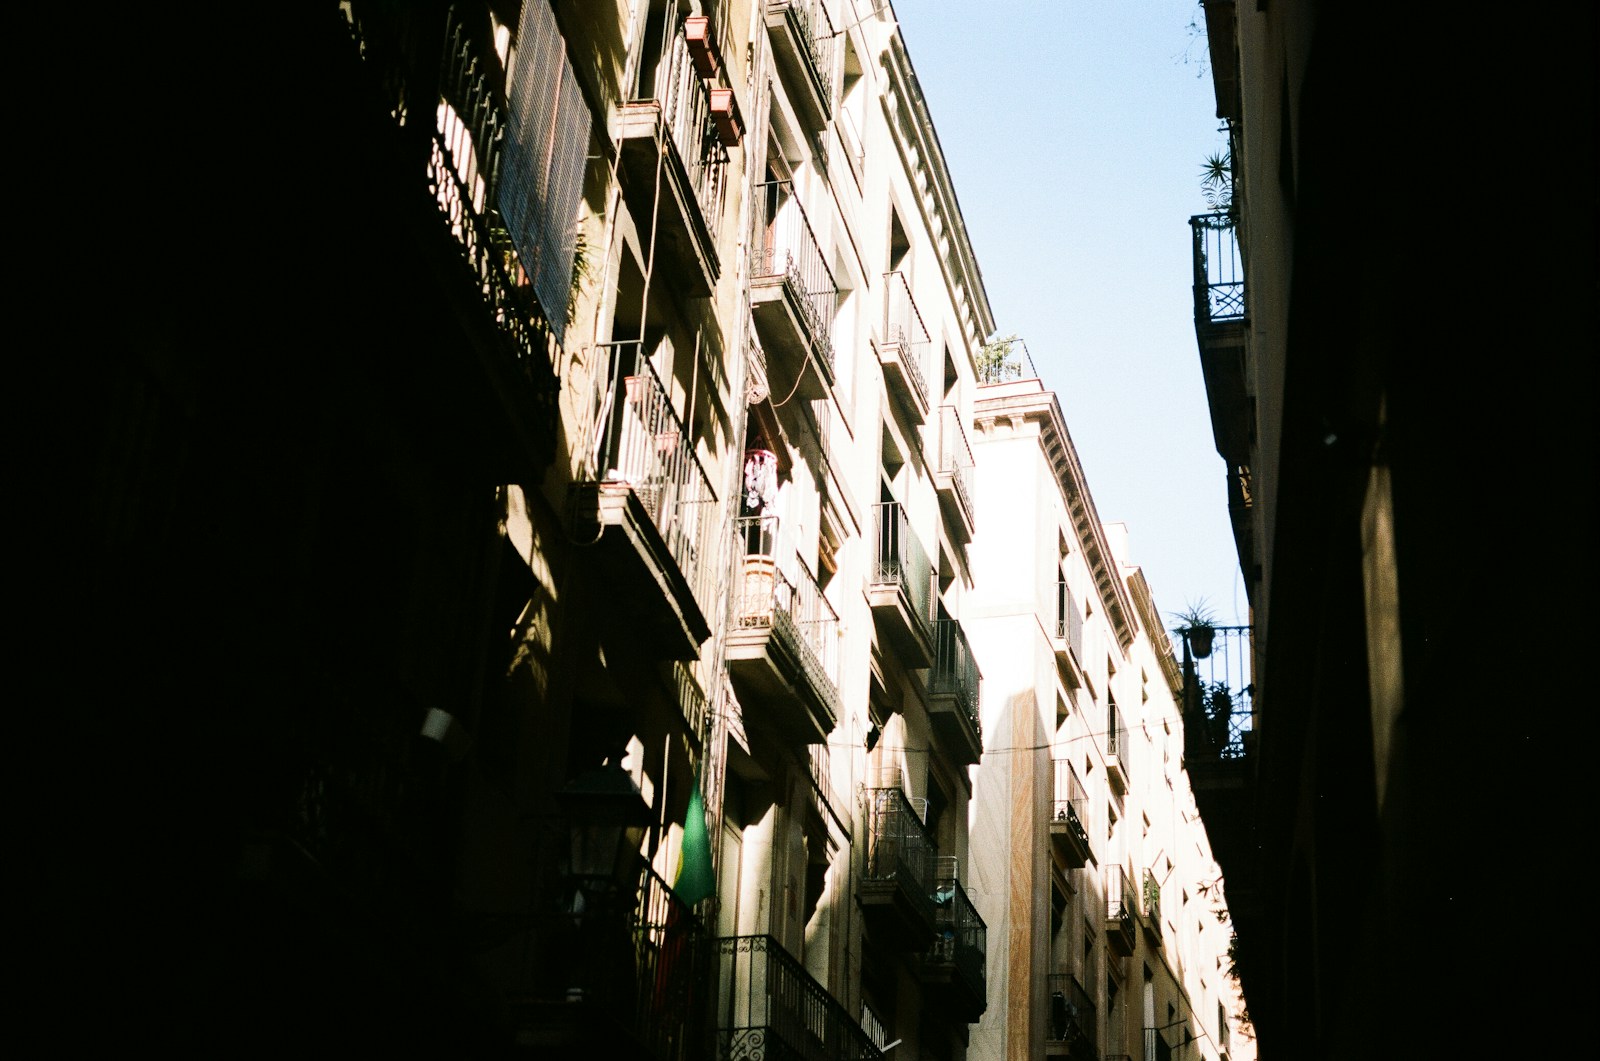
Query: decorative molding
(918, 143)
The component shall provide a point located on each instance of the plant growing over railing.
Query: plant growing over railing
(1216, 182)
(998, 362)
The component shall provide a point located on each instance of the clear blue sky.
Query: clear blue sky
(1074, 131)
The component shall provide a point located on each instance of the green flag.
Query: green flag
(695, 880)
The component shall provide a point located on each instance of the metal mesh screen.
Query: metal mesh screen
(543, 175)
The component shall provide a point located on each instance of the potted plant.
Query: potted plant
(1197, 623)
(1219, 700)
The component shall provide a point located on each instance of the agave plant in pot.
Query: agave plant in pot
(1197, 624)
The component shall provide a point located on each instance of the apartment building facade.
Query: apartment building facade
(1109, 934)
(1360, 481)
(590, 675)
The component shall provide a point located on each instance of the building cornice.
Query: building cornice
(1026, 401)
(911, 126)
(1160, 643)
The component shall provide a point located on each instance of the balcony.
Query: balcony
(954, 970)
(767, 1005)
(1219, 745)
(647, 504)
(905, 348)
(803, 43)
(1067, 637)
(633, 968)
(1151, 894)
(1120, 911)
(1069, 815)
(792, 296)
(1070, 1029)
(952, 475)
(674, 165)
(896, 886)
(900, 586)
(1220, 323)
(1218, 699)
(953, 692)
(1116, 750)
(783, 647)
(456, 163)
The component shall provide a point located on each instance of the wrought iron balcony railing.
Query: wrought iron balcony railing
(791, 604)
(817, 39)
(1071, 803)
(639, 442)
(787, 246)
(898, 846)
(961, 938)
(1120, 903)
(955, 454)
(899, 559)
(955, 668)
(1072, 1018)
(1219, 275)
(1219, 693)
(769, 1006)
(468, 151)
(631, 955)
(903, 328)
(679, 90)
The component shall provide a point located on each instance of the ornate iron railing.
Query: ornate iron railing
(899, 847)
(1071, 801)
(787, 246)
(1219, 274)
(903, 328)
(955, 453)
(900, 559)
(790, 604)
(768, 1006)
(1219, 693)
(1072, 1018)
(961, 937)
(955, 668)
(639, 442)
(680, 92)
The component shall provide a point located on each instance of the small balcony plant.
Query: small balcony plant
(1197, 624)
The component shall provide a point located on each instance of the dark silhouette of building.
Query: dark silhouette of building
(1396, 319)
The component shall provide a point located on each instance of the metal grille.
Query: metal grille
(542, 178)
